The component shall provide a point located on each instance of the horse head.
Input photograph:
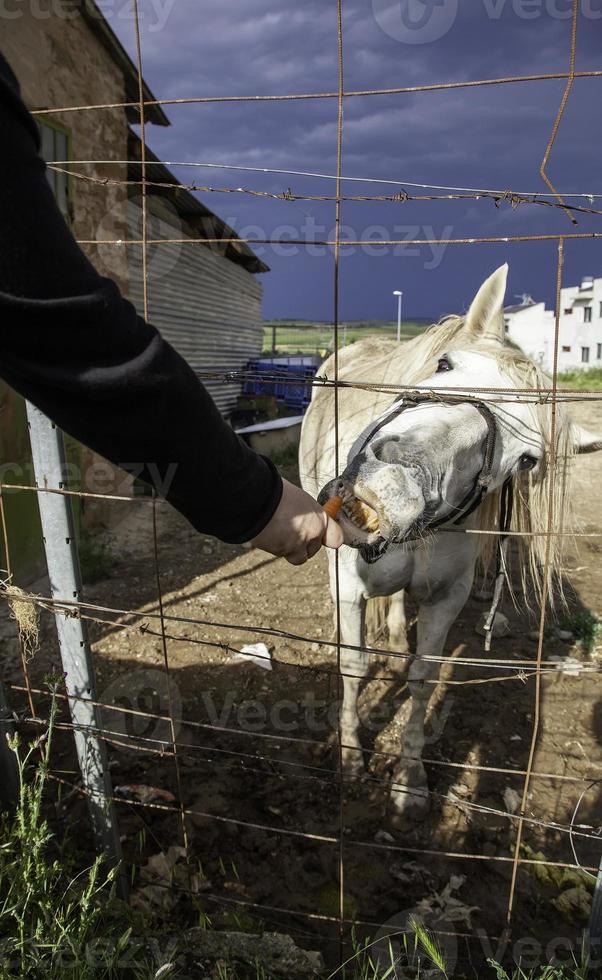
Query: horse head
(482, 415)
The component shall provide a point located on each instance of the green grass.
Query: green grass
(51, 912)
(578, 971)
(61, 921)
(304, 337)
(591, 378)
(585, 625)
(95, 559)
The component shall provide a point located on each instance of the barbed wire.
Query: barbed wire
(521, 670)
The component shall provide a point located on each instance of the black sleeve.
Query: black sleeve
(72, 345)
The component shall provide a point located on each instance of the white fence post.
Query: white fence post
(56, 513)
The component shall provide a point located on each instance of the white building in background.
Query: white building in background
(531, 326)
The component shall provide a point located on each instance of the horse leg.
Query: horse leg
(410, 796)
(396, 623)
(354, 665)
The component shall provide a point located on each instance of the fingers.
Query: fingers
(299, 528)
(333, 535)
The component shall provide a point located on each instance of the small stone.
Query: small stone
(383, 837)
(565, 635)
(567, 665)
(460, 789)
(511, 800)
(207, 549)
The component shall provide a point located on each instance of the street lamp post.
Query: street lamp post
(399, 295)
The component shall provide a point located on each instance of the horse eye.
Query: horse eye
(527, 462)
(443, 364)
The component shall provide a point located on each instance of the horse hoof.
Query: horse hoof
(410, 797)
(353, 763)
(409, 806)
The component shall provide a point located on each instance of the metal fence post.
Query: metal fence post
(9, 771)
(56, 513)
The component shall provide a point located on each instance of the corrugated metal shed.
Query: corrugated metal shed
(207, 307)
(199, 220)
(205, 303)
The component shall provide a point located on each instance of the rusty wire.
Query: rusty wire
(555, 395)
(73, 607)
(546, 580)
(561, 109)
(513, 198)
(295, 740)
(358, 93)
(394, 786)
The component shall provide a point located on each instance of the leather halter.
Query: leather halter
(475, 495)
(472, 499)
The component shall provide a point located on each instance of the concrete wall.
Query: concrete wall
(532, 328)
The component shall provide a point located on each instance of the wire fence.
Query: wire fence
(100, 724)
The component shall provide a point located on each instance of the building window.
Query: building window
(587, 314)
(568, 310)
(566, 349)
(585, 355)
(600, 312)
(599, 352)
(55, 146)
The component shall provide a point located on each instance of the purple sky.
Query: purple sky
(492, 137)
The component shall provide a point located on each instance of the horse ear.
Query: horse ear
(586, 441)
(485, 318)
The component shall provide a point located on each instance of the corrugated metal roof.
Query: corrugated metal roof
(100, 27)
(203, 223)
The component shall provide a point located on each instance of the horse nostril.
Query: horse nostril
(387, 450)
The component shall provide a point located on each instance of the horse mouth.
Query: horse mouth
(359, 513)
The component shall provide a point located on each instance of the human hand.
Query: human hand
(298, 528)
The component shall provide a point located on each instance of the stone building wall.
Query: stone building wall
(59, 61)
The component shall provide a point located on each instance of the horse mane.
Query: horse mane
(535, 548)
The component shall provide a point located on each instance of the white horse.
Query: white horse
(412, 472)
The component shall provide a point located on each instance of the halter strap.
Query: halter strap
(475, 495)
(472, 499)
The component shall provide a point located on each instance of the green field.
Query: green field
(310, 337)
(588, 379)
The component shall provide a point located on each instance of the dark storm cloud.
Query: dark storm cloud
(489, 137)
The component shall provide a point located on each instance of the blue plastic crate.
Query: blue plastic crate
(289, 379)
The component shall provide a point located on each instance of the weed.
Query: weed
(591, 378)
(585, 625)
(50, 917)
(95, 559)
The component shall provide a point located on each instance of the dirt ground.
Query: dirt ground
(257, 749)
